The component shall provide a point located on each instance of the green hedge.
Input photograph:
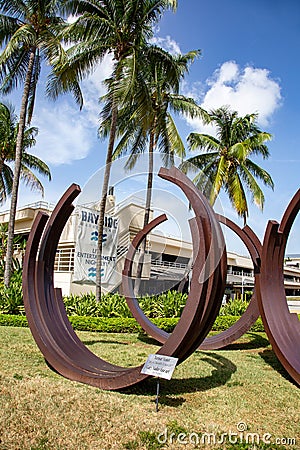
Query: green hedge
(9, 320)
(127, 325)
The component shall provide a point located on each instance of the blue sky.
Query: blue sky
(250, 61)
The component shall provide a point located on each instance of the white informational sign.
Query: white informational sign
(160, 366)
(85, 257)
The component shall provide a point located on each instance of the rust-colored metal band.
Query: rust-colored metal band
(282, 327)
(242, 325)
(209, 257)
(47, 316)
(245, 322)
(65, 352)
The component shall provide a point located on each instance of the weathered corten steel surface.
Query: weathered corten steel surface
(282, 327)
(47, 316)
(245, 322)
(67, 354)
(222, 339)
(209, 257)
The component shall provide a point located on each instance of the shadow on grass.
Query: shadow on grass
(271, 359)
(148, 340)
(257, 341)
(173, 402)
(223, 368)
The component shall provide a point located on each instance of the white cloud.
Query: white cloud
(246, 90)
(93, 89)
(168, 44)
(64, 134)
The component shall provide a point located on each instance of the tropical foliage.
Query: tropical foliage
(146, 123)
(234, 307)
(225, 161)
(11, 297)
(168, 304)
(8, 135)
(29, 35)
(107, 27)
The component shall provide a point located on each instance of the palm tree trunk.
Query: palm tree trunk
(146, 215)
(109, 155)
(17, 170)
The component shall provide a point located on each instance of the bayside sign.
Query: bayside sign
(85, 257)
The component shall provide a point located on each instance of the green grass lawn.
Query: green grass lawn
(212, 392)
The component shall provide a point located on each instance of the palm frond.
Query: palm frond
(237, 195)
(257, 195)
(14, 8)
(203, 142)
(6, 181)
(259, 173)
(31, 180)
(187, 107)
(176, 143)
(33, 162)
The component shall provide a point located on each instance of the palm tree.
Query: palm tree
(8, 136)
(225, 159)
(107, 26)
(29, 32)
(148, 122)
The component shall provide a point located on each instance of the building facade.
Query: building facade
(167, 262)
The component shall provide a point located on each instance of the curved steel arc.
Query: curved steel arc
(282, 327)
(47, 316)
(65, 352)
(245, 322)
(209, 273)
(235, 331)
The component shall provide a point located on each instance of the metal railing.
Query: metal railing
(241, 273)
(132, 199)
(123, 245)
(169, 264)
(36, 205)
(64, 260)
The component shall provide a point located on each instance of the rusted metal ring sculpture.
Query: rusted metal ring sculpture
(240, 327)
(245, 322)
(209, 311)
(47, 317)
(282, 327)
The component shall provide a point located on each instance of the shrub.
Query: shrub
(169, 304)
(235, 307)
(11, 297)
(8, 320)
(111, 305)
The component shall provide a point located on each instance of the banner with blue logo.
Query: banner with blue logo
(85, 258)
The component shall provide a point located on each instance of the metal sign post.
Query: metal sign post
(157, 394)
